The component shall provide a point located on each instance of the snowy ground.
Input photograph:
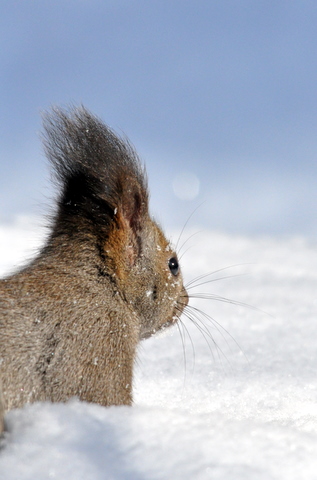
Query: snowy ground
(242, 408)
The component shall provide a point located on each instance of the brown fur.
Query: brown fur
(107, 277)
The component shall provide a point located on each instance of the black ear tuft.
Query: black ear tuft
(98, 171)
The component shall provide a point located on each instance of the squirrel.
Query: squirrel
(106, 278)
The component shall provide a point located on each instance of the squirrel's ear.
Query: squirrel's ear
(134, 208)
(101, 176)
(131, 218)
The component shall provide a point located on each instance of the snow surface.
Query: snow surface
(241, 406)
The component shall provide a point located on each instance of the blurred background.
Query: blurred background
(219, 98)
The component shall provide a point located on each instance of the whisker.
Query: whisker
(187, 240)
(207, 337)
(220, 329)
(191, 342)
(203, 321)
(184, 253)
(216, 279)
(185, 225)
(205, 275)
(179, 325)
(203, 331)
(218, 298)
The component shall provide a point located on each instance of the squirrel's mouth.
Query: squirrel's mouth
(178, 310)
(160, 328)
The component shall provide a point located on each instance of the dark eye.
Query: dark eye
(173, 266)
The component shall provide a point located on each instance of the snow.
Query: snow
(244, 407)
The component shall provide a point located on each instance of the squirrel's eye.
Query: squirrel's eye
(174, 266)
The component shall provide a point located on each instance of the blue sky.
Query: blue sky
(220, 92)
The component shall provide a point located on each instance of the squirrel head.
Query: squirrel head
(103, 208)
